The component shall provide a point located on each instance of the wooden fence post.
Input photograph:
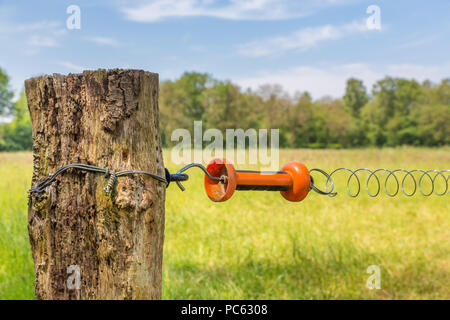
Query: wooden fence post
(85, 244)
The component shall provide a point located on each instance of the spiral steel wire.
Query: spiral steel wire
(416, 179)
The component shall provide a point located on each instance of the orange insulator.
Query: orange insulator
(293, 181)
(301, 181)
(216, 190)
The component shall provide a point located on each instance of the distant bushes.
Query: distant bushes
(17, 134)
(396, 112)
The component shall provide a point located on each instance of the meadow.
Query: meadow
(259, 246)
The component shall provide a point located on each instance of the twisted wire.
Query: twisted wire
(41, 186)
(391, 179)
(111, 182)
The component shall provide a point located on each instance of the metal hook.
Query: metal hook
(197, 165)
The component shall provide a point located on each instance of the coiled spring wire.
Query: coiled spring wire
(392, 179)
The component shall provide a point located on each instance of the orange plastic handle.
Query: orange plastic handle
(293, 181)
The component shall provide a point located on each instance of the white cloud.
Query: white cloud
(420, 72)
(331, 80)
(420, 42)
(34, 35)
(105, 41)
(42, 41)
(71, 66)
(302, 39)
(156, 10)
(39, 25)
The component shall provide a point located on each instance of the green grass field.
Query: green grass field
(259, 246)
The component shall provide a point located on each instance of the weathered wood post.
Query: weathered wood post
(106, 118)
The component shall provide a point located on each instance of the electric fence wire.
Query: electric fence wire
(177, 177)
(392, 178)
(418, 181)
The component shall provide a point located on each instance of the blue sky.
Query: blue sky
(302, 45)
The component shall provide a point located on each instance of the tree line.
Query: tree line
(395, 112)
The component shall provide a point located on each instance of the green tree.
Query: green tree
(440, 94)
(275, 111)
(17, 135)
(6, 94)
(171, 114)
(181, 102)
(372, 115)
(332, 123)
(190, 88)
(355, 96)
(432, 115)
(300, 122)
(433, 124)
(387, 116)
(227, 107)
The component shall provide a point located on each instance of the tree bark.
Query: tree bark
(107, 118)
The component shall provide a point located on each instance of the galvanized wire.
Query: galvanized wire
(41, 186)
(177, 177)
(391, 179)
